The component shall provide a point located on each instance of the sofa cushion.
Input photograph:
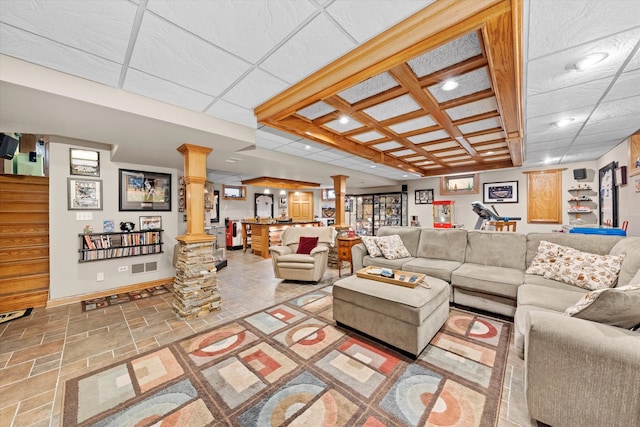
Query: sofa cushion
(549, 298)
(488, 279)
(540, 280)
(496, 249)
(547, 256)
(439, 268)
(306, 244)
(629, 246)
(409, 236)
(448, 244)
(392, 247)
(583, 242)
(370, 242)
(395, 264)
(617, 307)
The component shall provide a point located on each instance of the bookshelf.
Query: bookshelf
(102, 246)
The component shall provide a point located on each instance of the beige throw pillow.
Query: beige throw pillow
(371, 245)
(611, 306)
(392, 247)
(582, 269)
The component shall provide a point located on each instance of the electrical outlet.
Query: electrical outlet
(99, 276)
(123, 268)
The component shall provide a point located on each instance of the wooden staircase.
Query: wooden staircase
(24, 242)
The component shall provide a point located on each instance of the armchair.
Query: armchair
(288, 264)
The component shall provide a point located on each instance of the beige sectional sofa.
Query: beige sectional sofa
(577, 371)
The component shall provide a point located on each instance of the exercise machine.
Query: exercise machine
(486, 213)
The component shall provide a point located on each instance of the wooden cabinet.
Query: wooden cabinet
(344, 251)
(264, 235)
(544, 196)
(101, 246)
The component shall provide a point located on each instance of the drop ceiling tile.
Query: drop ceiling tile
(449, 153)
(444, 56)
(276, 135)
(246, 28)
(414, 159)
(558, 101)
(619, 108)
(369, 87)
(255, 88)
(293, 151)
(558, 27)
(335, 154)
(315, 110)
(628, 84)
(473, 108)
(173, 54)
(368, 136)
(479, 125)
(365, 18)
(551, 72)
(224, 110)
(442, 146)
(267, 144)
(387, 145)
(319, 157)
(162, 90)
(469, 83)
(495, 146)
(547, 145)
(429, 136)
(315, 45)
(403, 153)
(343, 127)
(41, 51)
(547, 122)
(413, 124)
(425, 163)
(486, 137)
(102, 28)
(466, 162)
(302, 145)
(617, 126)
(392, 108)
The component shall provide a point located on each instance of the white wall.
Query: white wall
(70, 278)
(628, 200)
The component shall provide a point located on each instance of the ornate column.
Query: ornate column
(195, 284)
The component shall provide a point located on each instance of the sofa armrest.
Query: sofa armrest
(579, 372)
(318, 250)
(280, 250)
(357, 256)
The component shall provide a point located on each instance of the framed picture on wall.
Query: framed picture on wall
(215, 215)
(84, 194)
(459, 184)
(500, 192)
(263, 205)
(84, 162)
(424, 197)
(144, 191)
(634, 155)
(608, 196)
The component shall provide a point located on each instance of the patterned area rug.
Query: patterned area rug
(13, 315)
(101, 302)
(291, 365)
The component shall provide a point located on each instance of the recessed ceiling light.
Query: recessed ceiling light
(344, 120)
(450, 85)
(372, 166)
(266, 191)
(489, 153)
(405, 175)
(588, 61)
(283, 193)
(564, 122)
(307, 147)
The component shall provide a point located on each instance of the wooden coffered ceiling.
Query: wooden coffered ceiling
(287, 184)
(391, 91)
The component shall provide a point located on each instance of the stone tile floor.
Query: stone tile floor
(40, 352)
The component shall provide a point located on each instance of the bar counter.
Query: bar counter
(264, 234)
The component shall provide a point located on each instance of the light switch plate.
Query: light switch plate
(84, 216)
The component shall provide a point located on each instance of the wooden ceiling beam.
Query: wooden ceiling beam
(290, 184)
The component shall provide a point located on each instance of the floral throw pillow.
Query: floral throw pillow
(392, 247)
(585, 270)
(546, 258)
(612, 306)
(371, 245)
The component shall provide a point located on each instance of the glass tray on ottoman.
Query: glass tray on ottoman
(400, 278)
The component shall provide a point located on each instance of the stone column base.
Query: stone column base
(195, 287)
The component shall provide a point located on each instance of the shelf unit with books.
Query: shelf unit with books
(102, 246)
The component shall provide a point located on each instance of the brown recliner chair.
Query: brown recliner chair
(290, 265)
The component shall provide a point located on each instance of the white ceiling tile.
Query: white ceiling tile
(319, 157)
(567, 98)
(255, 88)
(293, 151)
(442, 145)
(390, 145)
(369, 87)
(392, 108)
(486, 137)
(454, 52)
(41, 51)
(414, 159)
(368, 136)
(403, 153)
(102, 28)
(365, 18)
(617, 125)
(153, 87)
(335, 154)
(315, 45)
(271, 134)
(616, 109)
(628, 84)
(558, 27)
(413, 124)
(343, 127)
(547, 145)
(491, 123)
(246, 28)
(469, 83)
(233, 113)
(267, 144)
(473, 108)
(315, 110)
(547, 122)
(550, 72)
(175, 55)
(429, 136)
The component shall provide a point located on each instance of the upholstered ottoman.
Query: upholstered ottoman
(403, 317)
